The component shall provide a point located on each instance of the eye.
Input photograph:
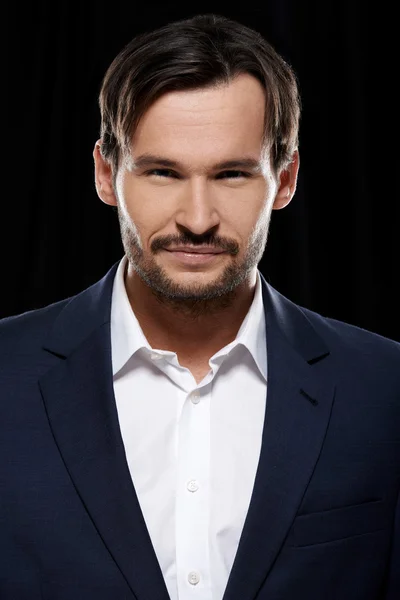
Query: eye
(158, 172)
(234, 174)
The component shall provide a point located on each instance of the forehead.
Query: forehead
(228, 116)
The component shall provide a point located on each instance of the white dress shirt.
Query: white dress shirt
(192, 449)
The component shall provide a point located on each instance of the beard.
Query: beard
(194, 300)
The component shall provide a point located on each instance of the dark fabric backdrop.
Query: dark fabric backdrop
(334, 249)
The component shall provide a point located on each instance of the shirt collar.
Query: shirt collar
(127, 336)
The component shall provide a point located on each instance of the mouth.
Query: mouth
(194, 258)
(195, 250)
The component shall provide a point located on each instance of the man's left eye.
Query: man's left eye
(235, 174)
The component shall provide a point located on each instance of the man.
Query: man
(180, 429)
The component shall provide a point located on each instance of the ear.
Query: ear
(287, 182)
(103, 177)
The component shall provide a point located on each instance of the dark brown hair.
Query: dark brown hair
(203, 51)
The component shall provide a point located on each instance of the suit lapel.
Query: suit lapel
(79, 398)
(299, 403)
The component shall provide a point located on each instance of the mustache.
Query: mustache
(194, 240)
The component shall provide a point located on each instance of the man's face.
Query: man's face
(194, 202)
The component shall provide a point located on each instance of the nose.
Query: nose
(197, 209)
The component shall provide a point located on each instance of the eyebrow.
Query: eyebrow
(145, 160)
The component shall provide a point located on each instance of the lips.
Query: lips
(187, 250)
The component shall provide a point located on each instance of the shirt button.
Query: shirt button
(192, 485)
(193, 578)
(156, 356)
(195, 397)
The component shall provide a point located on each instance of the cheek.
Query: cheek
(146, 211)
(250, 206)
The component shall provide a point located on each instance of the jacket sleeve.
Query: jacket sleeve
(393, 583)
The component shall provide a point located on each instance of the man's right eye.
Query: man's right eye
(159, 172)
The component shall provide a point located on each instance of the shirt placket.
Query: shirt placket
(193, 498)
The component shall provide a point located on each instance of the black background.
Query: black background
(334, 249)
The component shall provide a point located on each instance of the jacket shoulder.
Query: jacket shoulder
(357, 346)
(28, 329)
(350, 334)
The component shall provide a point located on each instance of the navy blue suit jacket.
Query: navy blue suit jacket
(324, 517)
